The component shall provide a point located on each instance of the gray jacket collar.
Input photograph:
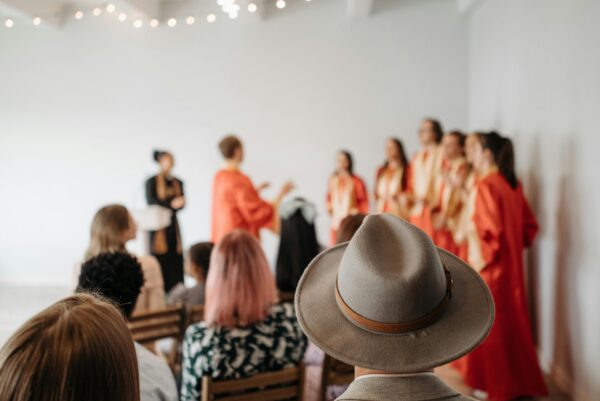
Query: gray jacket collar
(413, 387)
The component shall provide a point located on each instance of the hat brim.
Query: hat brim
(465, 323)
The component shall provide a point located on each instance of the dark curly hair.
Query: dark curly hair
(117, 276)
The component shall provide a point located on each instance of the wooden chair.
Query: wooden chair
(195, 314)
(148, 327)
(286, 296)
(334, 373)
(283, 385)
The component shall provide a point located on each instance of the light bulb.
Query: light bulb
(9, 23)
(111, 8)
(37, 21)
(122, 17)
(78, 14)
(190, 20)
(252, 7)
(154, 23)
(211, 18)
(97, 11)
(280, 4)
(172, 22)
(138, 23)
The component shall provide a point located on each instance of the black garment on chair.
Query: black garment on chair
(298, 245)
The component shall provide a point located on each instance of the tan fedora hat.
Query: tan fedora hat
(390, 300)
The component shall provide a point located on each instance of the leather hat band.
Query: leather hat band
(402, 327)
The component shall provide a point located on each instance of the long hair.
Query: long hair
(503, 152)
(240, 288)
(348, 157)
(348, 227)
(108, 226)
(403, 160)
(77, 349)
(298, 245)
(436, 126)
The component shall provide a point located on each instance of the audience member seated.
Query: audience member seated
(430, 308)
(298, 243)
(245, 331)
(118, 277)
(348, 227)
(198, 261)
(112, 227)
(77, 349)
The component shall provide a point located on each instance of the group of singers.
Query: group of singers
(460, 189)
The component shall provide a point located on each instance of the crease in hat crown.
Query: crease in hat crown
(391, 272)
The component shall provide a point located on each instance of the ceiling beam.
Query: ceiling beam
(359, 8)
(148, 8)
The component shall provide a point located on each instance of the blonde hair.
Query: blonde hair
(77, 349)
(108, 226)
(240, 288)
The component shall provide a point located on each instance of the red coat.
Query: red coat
(505, 365)
(237, 204)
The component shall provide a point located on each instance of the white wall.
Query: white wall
(534, 69)
(82, 108)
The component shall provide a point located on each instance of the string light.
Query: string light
(280, 4)
(138, 23)
(252, 7)
(190, 20)
(97, 11)
(154, 23)
(211, 18)
(9, 23)
(122, 17)
(78, 14)
(37, 21)
(111, 8)
(172, 22)
(233, 15)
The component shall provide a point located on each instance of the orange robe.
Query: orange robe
(449, 203)
(389, 188)
(237, 204)
(346, 195)
(505, 365)
(424, 169)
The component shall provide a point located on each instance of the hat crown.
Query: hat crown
(391, 271)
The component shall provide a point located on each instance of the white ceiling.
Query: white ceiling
(54, 12)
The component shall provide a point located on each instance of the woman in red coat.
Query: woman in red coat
(391, 181)
(347, 193)
(505, 366)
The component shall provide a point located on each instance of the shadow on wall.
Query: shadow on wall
(532, 267)
(567, 261)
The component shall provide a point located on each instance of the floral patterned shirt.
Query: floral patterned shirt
(231, 353)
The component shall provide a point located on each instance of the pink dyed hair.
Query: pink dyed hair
(240, 287)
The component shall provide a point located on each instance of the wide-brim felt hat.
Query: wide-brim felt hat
(391, 300)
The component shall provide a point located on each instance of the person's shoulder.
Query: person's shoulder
(147, 260)
(283, 313)
(148, 359)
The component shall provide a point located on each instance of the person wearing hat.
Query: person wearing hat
(394, 306)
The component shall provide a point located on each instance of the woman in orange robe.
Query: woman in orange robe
(453, 171)
(391, 181)
(346, 194)
(236, 203)
(424, 169)
(505, 365)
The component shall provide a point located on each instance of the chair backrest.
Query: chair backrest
(334, 373)
(283, 385)
(148, 327)
(195, 314)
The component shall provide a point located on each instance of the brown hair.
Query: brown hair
(108, 226)
(403, 161)
(77, 349)
(348, 227)
(228, 145)
(436, 126)
(504, 156)
(460, 137)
